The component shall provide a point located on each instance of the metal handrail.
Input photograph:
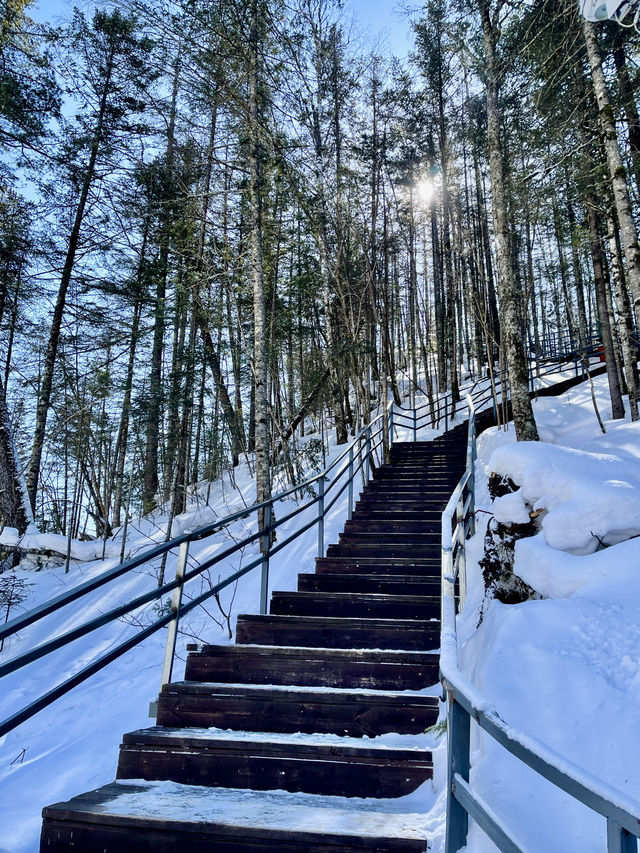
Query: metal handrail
(362, 449)
(464, 702)
(358, 455)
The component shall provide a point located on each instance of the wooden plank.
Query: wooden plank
(329, 632)
(355, 714)
(86, 824)
(335, 770)
(398, 585)
(364, 605)
(313, 667)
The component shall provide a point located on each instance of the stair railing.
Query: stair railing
(464, 702)
(359, 458)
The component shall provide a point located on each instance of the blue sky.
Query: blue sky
(384, 18)
(376, 19)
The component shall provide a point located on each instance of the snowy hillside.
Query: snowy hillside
(564, 669)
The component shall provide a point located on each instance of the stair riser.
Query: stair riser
(398, 539)
(374, 513)
(386, 567)
(422, 637)
(356, 549)
(64, 836)
(327, 775)
(413, 509)
(349, 675)
(384, 487)
(364, 525)
(363, 609)
(339, 716)
(384, 586)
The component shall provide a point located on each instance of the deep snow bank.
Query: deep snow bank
(564, 669)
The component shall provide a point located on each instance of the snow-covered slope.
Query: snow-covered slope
(564, 669)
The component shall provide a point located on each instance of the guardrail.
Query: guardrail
(464, 703)
(362, 454)
(365, 451)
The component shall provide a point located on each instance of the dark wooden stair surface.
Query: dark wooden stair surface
(274, 742)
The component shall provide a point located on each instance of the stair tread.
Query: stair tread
(360, 596)
(312, 651)
(261, 743)
(232, 812)
(293, 692)
(337, 621)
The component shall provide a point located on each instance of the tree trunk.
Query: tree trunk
(256, 179)
(616, 168)
(511, 339)
(15, 508)
(617, 407)
(46, 385)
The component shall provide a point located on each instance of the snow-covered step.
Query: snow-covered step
(341, 767)
(158, 817)
(286, 709)
(314, 667)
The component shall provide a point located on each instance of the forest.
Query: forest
(231, 229)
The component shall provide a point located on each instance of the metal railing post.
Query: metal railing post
(265, 547)
(176, 600)
(350, 508)
(619, 840)
(461, 554)
(458, 741)
(391, 423)
(321, 516)
(367, 453)
(446, 414)
(415, 425)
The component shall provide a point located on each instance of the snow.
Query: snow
(72, 746)
(565, 670)
(278, 810)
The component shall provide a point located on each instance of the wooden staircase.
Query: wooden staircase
(271, 744)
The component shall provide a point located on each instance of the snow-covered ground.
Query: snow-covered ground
(564, 669)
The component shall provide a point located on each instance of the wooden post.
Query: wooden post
(176, 600)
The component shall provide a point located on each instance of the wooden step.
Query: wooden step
(397, 538)
(225, 760)
(379, 564)
(363, 524)
(284, 709)
(431, 509)
(361, 605)
(383, 549)
(165, 818)
(313, 667)
(364, 512)
(417, 472)
(395, 585)
(418, 488)
(338, 633)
